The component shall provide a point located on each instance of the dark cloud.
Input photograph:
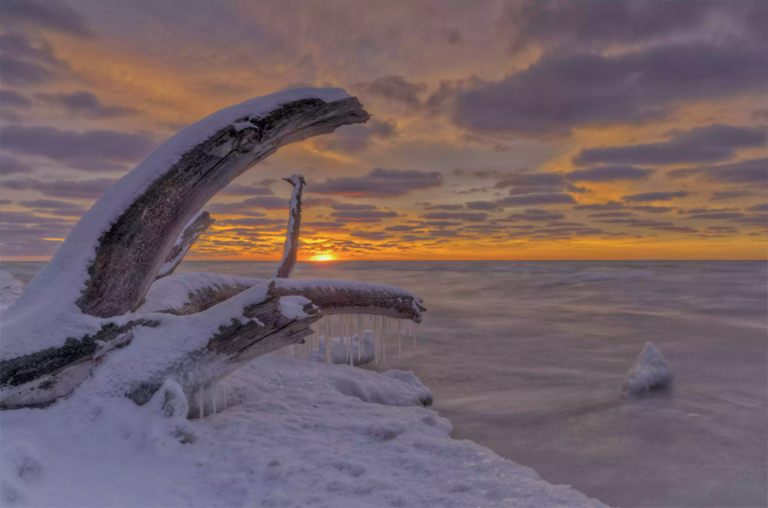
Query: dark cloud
(84, 104)
(717, 215)
(654, 196)
(379, 183)
(462, 216)
(356, 138)
(60, 188)
(51, 15)
(611, 215)
(14, 99)
(763, 207)
(10, 165)
(539, 183)
(395, 88)
(537, 199)
(711, 143)
(235, 189)
(608, 174)
(536, 214)
(371, 235)
(482, 205)
(363, 215)
(345, 207)
(561, 91)
(610, 205)
(731, 194)
(597, 24)
(101, 150)
(744, 172)
(56, 207)
(653, 209)
(25, 63)
(400, 228)
(251, 221)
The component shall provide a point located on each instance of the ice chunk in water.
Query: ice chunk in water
(650, 370)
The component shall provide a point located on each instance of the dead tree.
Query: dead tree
(88, 317)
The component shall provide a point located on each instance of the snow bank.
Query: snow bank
(296, 433)
(46, 314)
(650, 370)
(10, 289)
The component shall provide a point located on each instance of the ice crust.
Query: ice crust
(649, 370)
(46, 313)
(294, 433)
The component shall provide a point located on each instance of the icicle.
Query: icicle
(215, 385)
(226, 393)
(399, 341)
(200, 401)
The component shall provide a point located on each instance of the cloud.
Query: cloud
(356, 138)
(482, 205)
(608, 174)
(24, 63)
(84, 104)
(711, 143)
(529, 183)
(371, 235)
(731, 194)
(14, 99)
(344, 207)
(61, 188)
(101, 150)
(653, 209)
(743, 172)
(717, 215)
(363, 215)
(63, 208)
(763, 207)
(595, 25)
(536, 214)
(395, 88)
(654, 196)
(50, 15)
(563, 91)
(537, 199)
(379, 183)
(463, 216)
(610, 205)
(10, 165)
(236, 189)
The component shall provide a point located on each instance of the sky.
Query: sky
(500, 130)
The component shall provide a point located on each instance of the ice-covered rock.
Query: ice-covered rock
(650, 370)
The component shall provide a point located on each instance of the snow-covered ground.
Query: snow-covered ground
(294, 433)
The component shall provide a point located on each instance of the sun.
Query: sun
(323, 257)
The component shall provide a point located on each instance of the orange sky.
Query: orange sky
(500, 130)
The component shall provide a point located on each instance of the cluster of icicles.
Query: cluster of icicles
(360, 338)
(345, 347)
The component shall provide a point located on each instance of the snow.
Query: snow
(46, 314)
(295, 433)
(173, 291)
(10, 289)
(650, 370)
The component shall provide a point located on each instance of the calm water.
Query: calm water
(528, 359)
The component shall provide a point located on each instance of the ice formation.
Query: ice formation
(10, 289)
(345, 331)
(650, 370)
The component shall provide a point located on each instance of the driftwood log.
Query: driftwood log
(107, 313)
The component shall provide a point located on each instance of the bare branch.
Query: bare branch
(291, 249)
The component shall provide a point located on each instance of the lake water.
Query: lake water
(528, 358)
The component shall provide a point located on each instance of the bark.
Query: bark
(131, 253)
(291, 249)
(186, 240)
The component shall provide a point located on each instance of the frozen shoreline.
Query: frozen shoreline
(296, 433)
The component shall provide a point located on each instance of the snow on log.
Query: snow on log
(294, 225)
(650, 370)
(114, 253)
(192, 231)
